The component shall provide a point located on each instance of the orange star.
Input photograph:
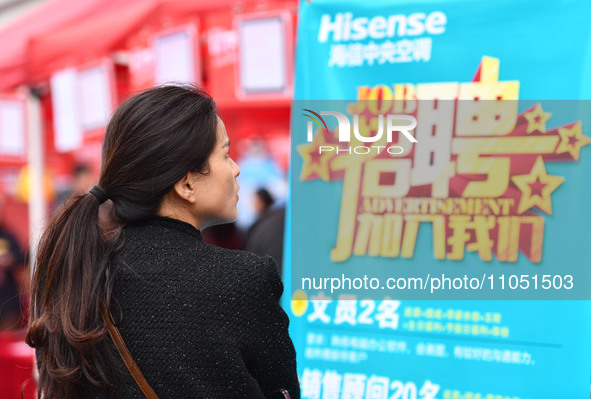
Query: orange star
(571, 140)
(536, 119)
(314, 160)
(536, 188)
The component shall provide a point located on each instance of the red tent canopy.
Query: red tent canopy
(106, 31)
(14, 38)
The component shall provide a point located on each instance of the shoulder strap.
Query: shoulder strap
(280, 393)
(126, 356)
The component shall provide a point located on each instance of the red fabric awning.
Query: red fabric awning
(98, 35)
(85, 40)
(14, 38)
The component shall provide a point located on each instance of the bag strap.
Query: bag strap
(126, 356)
(282, 392)
(131, 364)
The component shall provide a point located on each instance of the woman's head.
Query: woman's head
(206, 199)
(154, 140)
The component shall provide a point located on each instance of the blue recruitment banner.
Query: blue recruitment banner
(487, 202)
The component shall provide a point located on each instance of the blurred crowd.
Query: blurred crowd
(13, 279)
(264, 237)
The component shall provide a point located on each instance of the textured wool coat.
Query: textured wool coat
(200, 321)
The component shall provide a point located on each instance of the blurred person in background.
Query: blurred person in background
(265, 236)
(262, 201)
(128, 258)
(13, 275)
(82, 181)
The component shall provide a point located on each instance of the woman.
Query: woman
(199, 321)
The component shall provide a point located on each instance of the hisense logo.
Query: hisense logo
(394, 123)
(344, 27)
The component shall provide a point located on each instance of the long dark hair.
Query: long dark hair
(152, 141)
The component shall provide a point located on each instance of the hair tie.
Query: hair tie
(99, 194)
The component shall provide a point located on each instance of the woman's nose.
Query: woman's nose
(236, 169)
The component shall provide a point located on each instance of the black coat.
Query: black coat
(200, 321)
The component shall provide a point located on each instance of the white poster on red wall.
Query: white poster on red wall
(66, 113)
(83, 99)
(96, 100)
(176, 58)
(265, 57)
(13, 128)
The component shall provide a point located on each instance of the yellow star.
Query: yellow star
(536, 188)
(571, 140)
(314, 160)
(536, 119)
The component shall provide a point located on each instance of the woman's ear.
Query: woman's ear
(185, 187)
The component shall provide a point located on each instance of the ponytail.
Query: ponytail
(71, 278)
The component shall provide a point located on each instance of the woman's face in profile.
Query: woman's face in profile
(217, 192)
